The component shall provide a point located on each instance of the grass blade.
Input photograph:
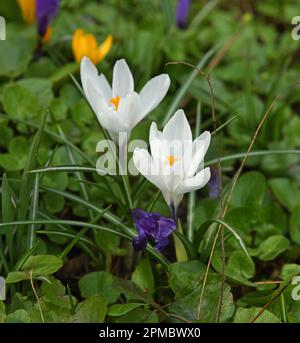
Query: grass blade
(128, 236)
(8, 213)
(31, 237)
(27, 181)
(192, 195)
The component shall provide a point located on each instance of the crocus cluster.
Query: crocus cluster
(42, 11)
(176, 162)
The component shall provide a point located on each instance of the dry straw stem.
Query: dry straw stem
(36, 296)
(276, 296)
(227, 201)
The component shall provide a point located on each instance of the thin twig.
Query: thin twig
(277, 295)
(223, 277)
(36, 296)
(236, 176)
(268, 282)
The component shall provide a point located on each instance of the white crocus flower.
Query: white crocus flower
(175, 165)
(119, 108)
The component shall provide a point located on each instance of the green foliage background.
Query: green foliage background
(72, 266)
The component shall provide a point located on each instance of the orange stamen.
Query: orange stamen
(171, 160)
(115, 101)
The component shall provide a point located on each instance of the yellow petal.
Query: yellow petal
(47, 36)
(28, 10)
(104, 48)
(86, 45)
(78, 37)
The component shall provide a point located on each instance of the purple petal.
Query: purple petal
(45, 12)
(214, 184)
(152, 226)
(182, 12)
(140, 242)
(161, 244)
(166, 227)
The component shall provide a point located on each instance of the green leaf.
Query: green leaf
(52, 313)
(143, 276)
(249, 190)
(185, 277)
(270, 248)
(42, 264)
(91, 310)
(99, 283)
(2, 312)
(16, 157)
(240, 264)
(289, 270)
(19, 316)
(131, 290)
(15, 56)
(19, 102)
(239, 267)
(59, 109)
(54, 203)
(109, 243)
(42, 88)
(286, 191)
(245, 315)
(187, 307)
(138, 315)
(121, 309)
(14, 277)
(55, 293)
(295, 225)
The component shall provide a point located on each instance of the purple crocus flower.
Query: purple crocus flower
(45, 13)
(152, 226)
(182, 12)
(214, 184)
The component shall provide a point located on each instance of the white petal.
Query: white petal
(178, 128)
(145, 166)
(156, 143)
(128, 110)
(176, 199)
(196, 182)
(107, 117)
(123, 83)
(153, 93)
(88, 71)
(178, 132)
(104, 87)
(200, 146)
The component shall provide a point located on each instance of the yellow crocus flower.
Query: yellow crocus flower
(86, 45)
